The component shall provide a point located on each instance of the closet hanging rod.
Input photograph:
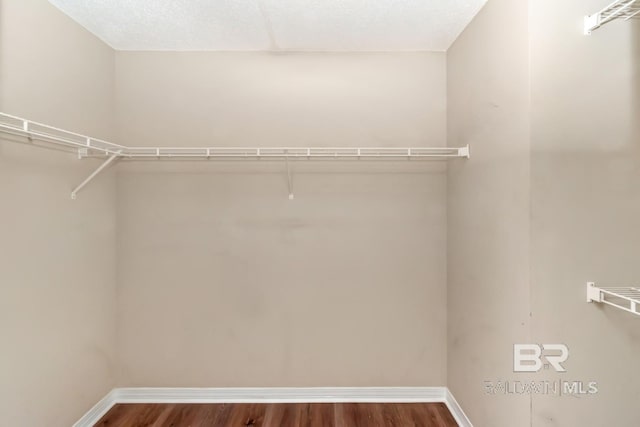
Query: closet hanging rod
(88, 146)
(619, 9)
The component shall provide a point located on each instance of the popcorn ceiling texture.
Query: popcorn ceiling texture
(241, 25)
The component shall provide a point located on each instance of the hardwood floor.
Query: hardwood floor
(279, 415)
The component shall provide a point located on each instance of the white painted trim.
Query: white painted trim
(275, 395)
(281, 395)
(456, 410)
(99, 409)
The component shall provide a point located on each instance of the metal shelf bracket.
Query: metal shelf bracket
(289, 179)
(110, 159)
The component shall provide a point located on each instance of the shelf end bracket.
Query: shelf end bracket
(593, 293)
(464, 151)
(591, 22)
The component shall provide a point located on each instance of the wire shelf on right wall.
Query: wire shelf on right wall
(620, 9)
(626, 298)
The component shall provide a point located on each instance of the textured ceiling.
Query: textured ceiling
(317, 25)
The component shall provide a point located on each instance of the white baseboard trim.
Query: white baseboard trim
(456, 410)
(99, 409)
(275, 395)
(281, 395)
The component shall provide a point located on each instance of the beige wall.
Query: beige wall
(488, 210)
(224, 281)
(585, 200)
(57, 274)
(254, 99)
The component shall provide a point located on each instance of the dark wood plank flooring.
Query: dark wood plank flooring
(279, 415)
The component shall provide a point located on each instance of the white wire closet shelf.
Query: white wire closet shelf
(625, 298)
(620, 9)
(86, 146)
